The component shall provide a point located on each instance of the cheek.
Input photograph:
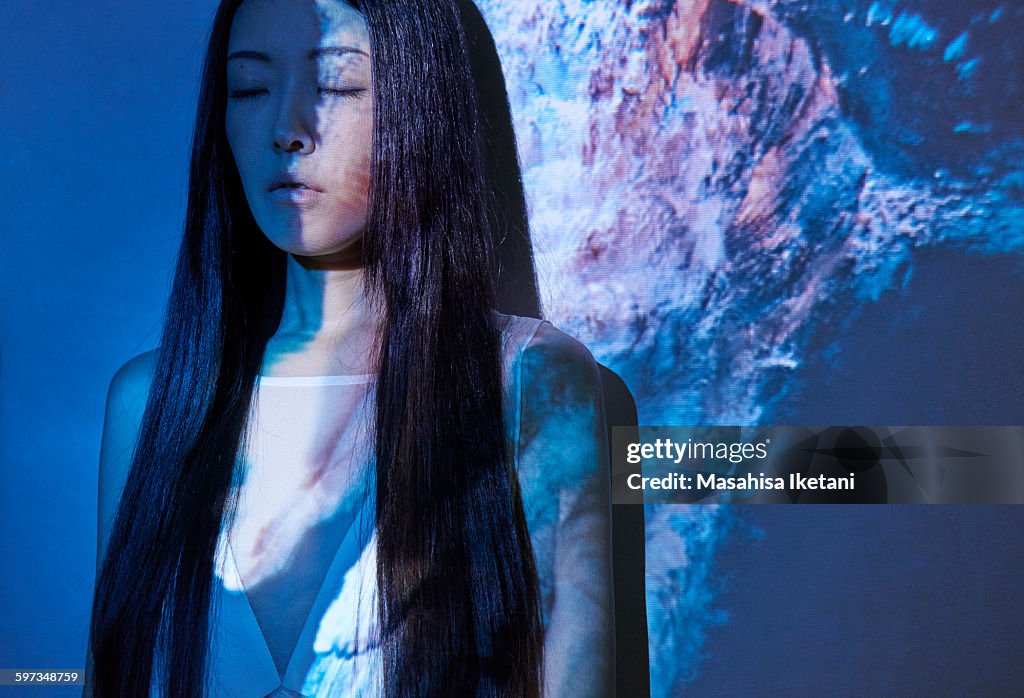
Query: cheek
(240, 142)
(350, 156)
(231, 130)
(363, 159)
(361, 175)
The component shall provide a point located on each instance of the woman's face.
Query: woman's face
(300, 122)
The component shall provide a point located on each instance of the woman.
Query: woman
(342, 473)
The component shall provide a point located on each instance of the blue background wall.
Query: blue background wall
(96, 107)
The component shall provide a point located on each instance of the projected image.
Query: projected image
(717, 188)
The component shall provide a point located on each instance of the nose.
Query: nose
(292, 132)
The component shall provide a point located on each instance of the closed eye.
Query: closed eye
(333, 91)
(341, 92)
(247, 94)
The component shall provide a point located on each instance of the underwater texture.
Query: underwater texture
(712, 183)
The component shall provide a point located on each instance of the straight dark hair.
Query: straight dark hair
(457, 584)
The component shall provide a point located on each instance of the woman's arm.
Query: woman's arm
(564, 468)
(126, 403)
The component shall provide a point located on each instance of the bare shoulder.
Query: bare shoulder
(562, 422)
(131, 382)
(125, 408)
(126, 405)
(560, 368)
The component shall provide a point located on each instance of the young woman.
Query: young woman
(342, 472)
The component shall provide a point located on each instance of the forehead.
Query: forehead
(297, 26)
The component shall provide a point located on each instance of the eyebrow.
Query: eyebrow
(313, 55)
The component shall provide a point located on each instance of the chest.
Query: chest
(303, 473)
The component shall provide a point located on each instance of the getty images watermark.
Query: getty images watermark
(735, 452)
(817, 465)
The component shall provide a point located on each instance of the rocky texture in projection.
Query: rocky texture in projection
(699, 197)
(708, 182)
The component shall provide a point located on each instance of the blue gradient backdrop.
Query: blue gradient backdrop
(97, 104)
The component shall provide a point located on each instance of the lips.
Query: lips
(290, 189)
(289, 181)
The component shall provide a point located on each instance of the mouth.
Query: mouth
(291, 183)
(291, 190)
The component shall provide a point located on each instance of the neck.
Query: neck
(327, 313)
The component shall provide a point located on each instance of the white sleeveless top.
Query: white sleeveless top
(296, 573)
(301, 551)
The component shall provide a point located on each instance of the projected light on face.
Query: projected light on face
(300, 122)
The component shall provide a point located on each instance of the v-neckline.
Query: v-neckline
(291, 679)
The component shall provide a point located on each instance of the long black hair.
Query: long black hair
(457, 585)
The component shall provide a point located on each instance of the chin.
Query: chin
(317, 244)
